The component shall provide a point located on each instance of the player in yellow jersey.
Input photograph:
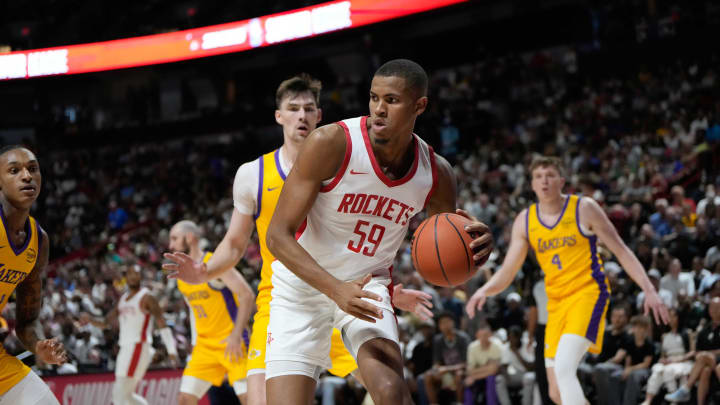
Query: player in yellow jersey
(256, 190)
(24, 251)
(563, 231)
(221, 310)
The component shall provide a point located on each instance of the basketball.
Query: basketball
(441, 250)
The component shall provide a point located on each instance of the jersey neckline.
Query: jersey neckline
(28, 232)
(376, 167)
(562, 213)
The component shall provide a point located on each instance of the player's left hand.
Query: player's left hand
(51, 351)
(659, 310)
(483, 244)
(183, 267)
(417, 302)
(235, 349)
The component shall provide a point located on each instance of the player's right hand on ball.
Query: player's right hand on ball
(349, 297)
(475, 302)
(183, 267)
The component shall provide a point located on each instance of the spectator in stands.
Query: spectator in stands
(449, 356)
(699, 272)
(117, 216)
(712, 257)
(514, 314)
(677, 282)
(659, 220)
(710, 199)
(640, 351)
(704, 237)
(421, 359)
(707, 356)
(665, 295)
(450, 303)
(679, 200)
(515, 370)
(675, 361)
(483, 363)
(613, 353)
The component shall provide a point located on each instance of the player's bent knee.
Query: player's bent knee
(389, 392)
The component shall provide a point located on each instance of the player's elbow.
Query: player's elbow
(274, 238)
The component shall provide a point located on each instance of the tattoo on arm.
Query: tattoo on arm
(29, 301)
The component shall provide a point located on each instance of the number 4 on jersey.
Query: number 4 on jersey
(556, 261)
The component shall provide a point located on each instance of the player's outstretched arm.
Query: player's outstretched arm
(29, 302)
(320, 157)
(511, 265)
(227, 255)
(232, 248)
(594, 218)
(237, 284)
(444, 199)
(105, 322)
(150, 305)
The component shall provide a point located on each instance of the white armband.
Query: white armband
(168, 340)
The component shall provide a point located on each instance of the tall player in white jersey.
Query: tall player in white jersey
(136, 312)
(255, 190)
(350, 196)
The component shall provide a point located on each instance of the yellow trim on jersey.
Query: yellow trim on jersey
(270, 183)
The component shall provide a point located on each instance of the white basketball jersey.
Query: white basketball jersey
(135, 325)
(360, 217)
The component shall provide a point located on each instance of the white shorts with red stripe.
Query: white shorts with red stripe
(302, 321)
(133, 360)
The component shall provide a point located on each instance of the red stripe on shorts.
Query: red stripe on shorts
(135, 359)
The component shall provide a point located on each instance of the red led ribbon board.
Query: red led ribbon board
(208, 41)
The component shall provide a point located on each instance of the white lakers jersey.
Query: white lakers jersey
(360, 217)
(135, 325)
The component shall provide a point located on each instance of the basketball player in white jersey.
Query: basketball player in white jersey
(340, 219)
(136, 312)
(256, 186)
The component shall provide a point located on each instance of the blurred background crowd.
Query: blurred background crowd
(641, 138)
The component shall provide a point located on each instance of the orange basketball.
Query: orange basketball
(441, 250)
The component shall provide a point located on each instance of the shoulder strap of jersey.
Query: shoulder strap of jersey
(261, 172)
(346, 160)
(269, 165)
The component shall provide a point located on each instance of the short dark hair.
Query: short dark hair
(445, 314)
(621, 306)
(545, 161)
(298, 84)
(640, 320)
(8, 148)
(414, 75)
